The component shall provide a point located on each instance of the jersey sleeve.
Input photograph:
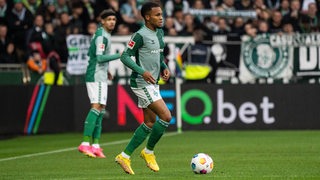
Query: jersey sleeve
(163, 65)
(132, 48)
(101, 44)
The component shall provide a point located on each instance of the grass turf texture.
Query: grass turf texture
(237, 155)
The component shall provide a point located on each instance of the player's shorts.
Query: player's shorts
(147, 95)
(97, 92)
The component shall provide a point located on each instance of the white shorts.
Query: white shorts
(97, 92)
(147, 95)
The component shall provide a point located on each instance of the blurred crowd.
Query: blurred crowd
(43, 25)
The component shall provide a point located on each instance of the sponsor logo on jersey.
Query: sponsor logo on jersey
(156, 51)
(131, 44)
(101, 47)
(264, 60)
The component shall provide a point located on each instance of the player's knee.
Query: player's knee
(167, 117)
(149, 124)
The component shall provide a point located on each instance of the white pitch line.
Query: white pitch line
(71, 149)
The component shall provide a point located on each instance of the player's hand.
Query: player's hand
(166, 74)
(147, 76)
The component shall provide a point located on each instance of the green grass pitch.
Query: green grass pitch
(236, 154)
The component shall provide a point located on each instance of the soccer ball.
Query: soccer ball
(201, 163)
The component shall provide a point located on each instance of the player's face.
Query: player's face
(155, 17)
(109, 23)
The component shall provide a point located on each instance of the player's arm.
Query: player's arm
(100, 48)
(107, 57)
(132, 47)
(163, 66)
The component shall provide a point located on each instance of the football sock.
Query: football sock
(148, 151)
(85, 143)
(96, 145)
(125, 155)
(138, 137)
(158, 129)
(90, 124)
(98, 127)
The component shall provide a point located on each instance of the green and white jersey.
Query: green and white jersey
(147, 48)
(99, 56)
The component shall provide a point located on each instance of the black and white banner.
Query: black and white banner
(78, 46)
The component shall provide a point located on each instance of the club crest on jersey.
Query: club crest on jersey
(101, 47)
(131, 44)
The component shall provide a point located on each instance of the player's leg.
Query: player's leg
(90, 121)
(89, 126)
(140, 134)
(103, 94)
(159, 107)
(158, 129)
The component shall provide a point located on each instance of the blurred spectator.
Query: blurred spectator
(90, 7)
(284, 7)
(318, 5)
(172, 5)
(178, 20)
(275, 24)
(273, 4)
(294, 15)
(62, 6)
(53, 61)
(310, 22)
(288, 28)
(131, 15)
(189, 26)
(91, 28)
(198, 60)
(49, 13)
(198, 5)
(21, 20)
(211, 23)
(32, 5)
(38, 35)
(4, 11)
(227, 5)
(36, 63)
(49, 29)
(7, 54)
(263, 27)
(79, 18)
(259, 5)
(238, 27)
(243, 5)
(223, 27)
(305, 5)
(211, 4)
(264, 14)
(123, 29)
(168, 28)
(61, 34)
(250, 30)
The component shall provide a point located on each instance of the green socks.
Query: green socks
(90, 124)
(158, 129)
(139, 136)
(98, 127)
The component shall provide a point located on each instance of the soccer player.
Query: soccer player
(96, 82)
(147, 46)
